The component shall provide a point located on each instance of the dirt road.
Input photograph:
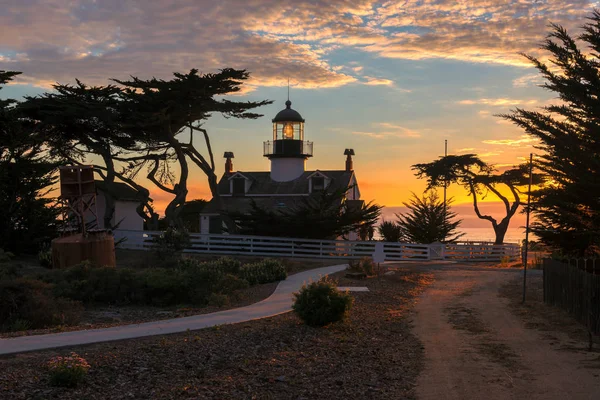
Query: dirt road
(475, 348)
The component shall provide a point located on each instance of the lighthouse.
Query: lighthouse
(288, 151)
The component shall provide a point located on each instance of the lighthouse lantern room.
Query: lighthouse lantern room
(288, 151)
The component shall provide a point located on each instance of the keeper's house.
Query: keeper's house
(287, 182)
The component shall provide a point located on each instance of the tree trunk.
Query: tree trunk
(174, 208)
(109, 199)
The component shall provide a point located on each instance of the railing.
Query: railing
(288, 147)
(574, 286)
(310, 248)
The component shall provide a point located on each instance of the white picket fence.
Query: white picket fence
(310, 248)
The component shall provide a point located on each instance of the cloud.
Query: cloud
(528, 80)
(384, 130)
(499, 102)
(519, 142)
(371, 81)
(56, 40)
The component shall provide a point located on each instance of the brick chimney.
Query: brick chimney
(228, 163)
(349, 165)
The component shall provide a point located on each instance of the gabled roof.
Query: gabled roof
(269, 193)
(262, 184)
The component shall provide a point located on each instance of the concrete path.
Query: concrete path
(278, 303)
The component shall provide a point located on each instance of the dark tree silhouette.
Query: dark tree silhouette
(567, 209)
(389, 231)
(479, 179)
(27, 173)
(158, 112)
(428, 220)
(82, 124)
(324, 216)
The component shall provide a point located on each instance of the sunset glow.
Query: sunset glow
(390, 79)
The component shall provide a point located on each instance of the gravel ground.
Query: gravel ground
(372, 355)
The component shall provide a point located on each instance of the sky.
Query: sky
(390, 79)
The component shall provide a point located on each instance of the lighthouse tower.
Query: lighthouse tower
(288, 151)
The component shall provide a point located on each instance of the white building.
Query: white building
(126, 202)
(288, 180)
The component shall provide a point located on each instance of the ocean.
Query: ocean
(513, 235)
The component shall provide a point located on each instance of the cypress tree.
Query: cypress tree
(567, 208)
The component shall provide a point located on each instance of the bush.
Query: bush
(171, 242)
(364, 265)
(389, 231)
(265, 271)
(218, 300)
(90, 284)
(45, 257)
(30, 303)
(321, 303)
(68, 371)
(5, 256)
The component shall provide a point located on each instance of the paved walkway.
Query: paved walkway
(278, 303)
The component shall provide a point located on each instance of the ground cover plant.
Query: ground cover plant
(373, 355)
(68, 371)
(58, 297)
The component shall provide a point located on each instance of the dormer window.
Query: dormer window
(318, 184)
(239, 186)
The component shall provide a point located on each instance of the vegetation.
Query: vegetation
(320, 303)
(156, 113)
(389, 231)
(171, 242)
(263, 272)
(57, 297)
(364, 266)
(68, 371)
(82, 124)
(322, 216)
(479, 179)
(31, 304)
(428, 220)
(567, 215)
(27, 173)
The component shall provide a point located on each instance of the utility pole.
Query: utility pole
(445, 181)
(527, 227)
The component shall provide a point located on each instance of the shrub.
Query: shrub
(171, 242)
(230, 284)
(45, 257)
(228, 265)
(265, 271)
(320, 303)
(364, 265)
(5, 256)
(90, 284)
(218, 300)
(389, 231)
(68, 371)
(30, 303)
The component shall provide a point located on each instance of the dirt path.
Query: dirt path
(475, 348)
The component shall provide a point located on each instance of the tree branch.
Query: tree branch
(500, 196)
(476, 207)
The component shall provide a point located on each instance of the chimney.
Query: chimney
(228, 163)
(349, 153)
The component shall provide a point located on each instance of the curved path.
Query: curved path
(278, 303)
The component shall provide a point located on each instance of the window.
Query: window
(318, 184)
(239, 186)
